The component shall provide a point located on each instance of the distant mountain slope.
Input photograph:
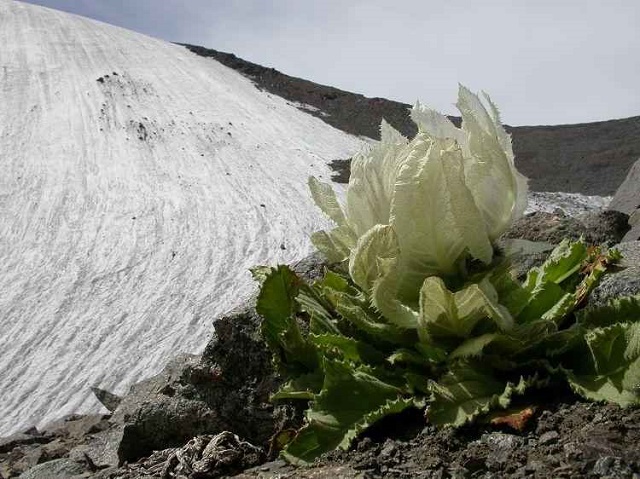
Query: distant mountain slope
(590, 158)
(139, 184)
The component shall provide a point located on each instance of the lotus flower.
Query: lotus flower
(416, 209)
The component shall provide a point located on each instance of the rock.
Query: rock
(608, 466)
(605, 227)
(548, 227)
(627, 196)
(548, 437)
(20, 439)
(23, 452)
(77, 426)
(57, 469)
(20, 459)
(596, 227)
(623, 282)
(108, 399)
(501, 446)
(634, 223)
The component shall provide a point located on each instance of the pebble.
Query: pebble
(549, 437)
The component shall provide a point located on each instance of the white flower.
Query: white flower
(417, 208)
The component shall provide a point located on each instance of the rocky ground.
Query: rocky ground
(209, 416)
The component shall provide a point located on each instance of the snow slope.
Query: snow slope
(139, 183)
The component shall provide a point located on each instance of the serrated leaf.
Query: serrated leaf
(348, 396)
(612, 371)
(335, 245)
(305, 386)
(543, 298)
(616, 310)
(447, 319)
(391, 407)
(466, 392)
(260, 273)
(349, 349)
(361, 317)
(320, 319)
(411, 357)
(473, 347)
(277, 304)
(564, 261)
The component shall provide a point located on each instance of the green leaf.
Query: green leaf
(511, 294)
(320, 319)
(276, 301)
(277, 304)
(305, 386)
(349, 349)
(563, 262)
(616, 310)
(366, 321)
(410, 357)
(349, 396)
(612, 370)
(389, 408)
(473, 347)
(466, 392)
(447, 319)
(543, 297)
(260, 273)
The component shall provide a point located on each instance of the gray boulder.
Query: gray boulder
(625, 281)
(634, 222)
(107, 398)
(596, 227)
(56, 469)
(627, 200)
(627, 196)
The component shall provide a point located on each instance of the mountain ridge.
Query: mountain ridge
(588, 158)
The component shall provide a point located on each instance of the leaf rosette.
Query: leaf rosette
(419, 310)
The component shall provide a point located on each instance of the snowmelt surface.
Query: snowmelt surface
(139, 183)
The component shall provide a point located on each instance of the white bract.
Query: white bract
(417, 209)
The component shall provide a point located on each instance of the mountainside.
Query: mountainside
(590, 158)
(139, 183)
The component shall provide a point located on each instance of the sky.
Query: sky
(542, 61)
